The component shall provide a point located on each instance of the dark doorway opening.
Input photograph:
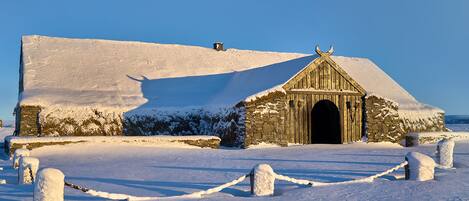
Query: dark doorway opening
(325, 123)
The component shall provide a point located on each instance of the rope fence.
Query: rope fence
(115, 196)
(200, 194)
(362, 180)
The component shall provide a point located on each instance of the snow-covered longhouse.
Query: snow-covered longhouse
(81, 87)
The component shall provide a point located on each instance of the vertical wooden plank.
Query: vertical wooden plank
(354, 122)
(305, 119)
(299, 118)
(296, 119)
(360, 125)
(320, 76)
(334, 79)
(349, 128)
(308, 115)
(341, 110)
(311, 79)
(329, 77)
(337, 86)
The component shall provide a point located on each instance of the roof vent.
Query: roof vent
(218, 46)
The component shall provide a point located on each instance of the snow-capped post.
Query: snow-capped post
(444, 153)
(49, 185)
(262, 180)
(27, 169)
(17, 155)
(420, 167)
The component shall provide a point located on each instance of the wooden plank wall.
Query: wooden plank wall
(298, 117)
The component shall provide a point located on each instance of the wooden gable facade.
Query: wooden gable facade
(291, 119)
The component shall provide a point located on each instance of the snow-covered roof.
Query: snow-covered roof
(128, 75)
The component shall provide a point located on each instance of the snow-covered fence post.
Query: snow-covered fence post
(49, 185)
(27, 169)
(262, 180)
(420, 167)
(17, 155)
(444, 153)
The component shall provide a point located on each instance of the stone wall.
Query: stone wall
(382, 120)
(80, 122)
(28, 124)
(265, 121)
(386, 122)
(415, 121)
(226, 123)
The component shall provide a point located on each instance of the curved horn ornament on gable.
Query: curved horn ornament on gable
(328, 53)
(331, 50)
(318, 51)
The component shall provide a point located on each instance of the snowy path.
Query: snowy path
(156, 171)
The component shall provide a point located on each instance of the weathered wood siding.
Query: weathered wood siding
(286, 118)
(329, 81)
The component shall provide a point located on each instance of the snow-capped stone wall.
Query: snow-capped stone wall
(422, 121)
(382, 120)
(226, 123)
(265, 120)
(80, 122)
(386, 122)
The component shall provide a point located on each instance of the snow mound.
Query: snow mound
(49, 185)
(421, 166)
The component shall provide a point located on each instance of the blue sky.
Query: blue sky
(421, 44)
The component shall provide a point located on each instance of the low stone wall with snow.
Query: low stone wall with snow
(422, 121)
(226, 123)
(386, 122)
(265, 121)
(415, 139)
(14, 142)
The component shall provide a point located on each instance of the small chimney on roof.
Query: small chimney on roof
(218, 46)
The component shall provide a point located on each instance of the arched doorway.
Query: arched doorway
(325, 123)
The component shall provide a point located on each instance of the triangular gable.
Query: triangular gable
(315, 65)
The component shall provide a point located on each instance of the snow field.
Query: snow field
(152, 171)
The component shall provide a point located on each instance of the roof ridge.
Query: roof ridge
(156, 43)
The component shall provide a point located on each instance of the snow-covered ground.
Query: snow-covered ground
(145, 170)
(153, 171)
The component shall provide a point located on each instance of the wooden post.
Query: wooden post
(420, 167)
(444, 153)
(262, 180)
(27, 169)
(49, 185)
(17, 155)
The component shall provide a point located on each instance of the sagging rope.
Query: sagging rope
(116, 196)
(199, 194)
(362, 180)
(31, 174)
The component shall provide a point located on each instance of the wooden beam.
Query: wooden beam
(323, 92)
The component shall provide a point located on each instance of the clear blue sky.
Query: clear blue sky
(421, 44)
